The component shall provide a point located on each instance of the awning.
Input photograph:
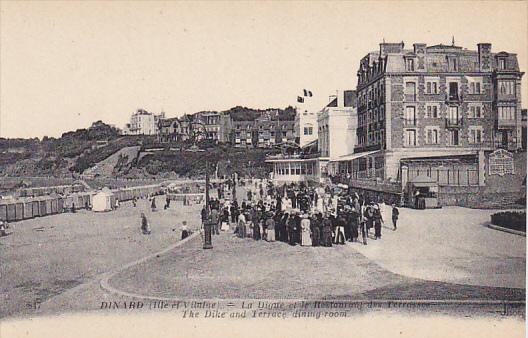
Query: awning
(353, 156)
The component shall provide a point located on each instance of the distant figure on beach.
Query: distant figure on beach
(145, 227)
(153, 204)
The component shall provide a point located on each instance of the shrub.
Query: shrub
(510, 220)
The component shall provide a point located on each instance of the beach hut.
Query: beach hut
(102, 201)
(28, 208)
(3, 211)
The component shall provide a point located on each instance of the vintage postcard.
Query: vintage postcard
(248, 169)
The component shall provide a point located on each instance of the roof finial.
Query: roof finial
(453, 41)
(383, 40)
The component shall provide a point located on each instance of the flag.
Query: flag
(305, 92)
(300, 99)
(310, 93)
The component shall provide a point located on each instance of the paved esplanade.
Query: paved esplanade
(243, 268)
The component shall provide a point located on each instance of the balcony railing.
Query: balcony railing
(506, 123)
(454, 98)
(409, 122)
(453, 122)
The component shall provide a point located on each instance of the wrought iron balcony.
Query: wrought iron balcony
(506, 123)
(409, 122)
(454, 98)
(453, 123)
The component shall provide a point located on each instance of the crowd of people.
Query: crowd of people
(298, 214)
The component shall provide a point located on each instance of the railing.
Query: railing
(454, 97)
(409, 122)
(506, 123)
(453, 122)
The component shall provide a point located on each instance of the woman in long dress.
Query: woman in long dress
(306, 240)
(270, 229)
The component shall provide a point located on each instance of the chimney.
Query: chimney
(419, 48)
(484, 56)
(389, 47)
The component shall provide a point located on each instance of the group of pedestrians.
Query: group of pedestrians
(300, 215)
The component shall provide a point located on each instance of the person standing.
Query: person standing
(378, 221)
(315, 224)
(395, 215)
(340, 230)
(153, 204)
(327, 231)
(270, 228)
(292, 229)
(215, 220)
(242, 226)
(306, 239)
(145, 227)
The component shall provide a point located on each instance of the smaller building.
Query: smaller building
(337, 123)
(143, 123)
(306, 119)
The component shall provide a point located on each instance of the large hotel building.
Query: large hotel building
(430, 109)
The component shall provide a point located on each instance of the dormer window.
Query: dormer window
(502, 64)
(410, 65)
(453, 65)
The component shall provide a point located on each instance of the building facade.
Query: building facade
(434, 101)
(211, 124)
(263, 132)
(143, 123)
(337, 123)
(306, 120)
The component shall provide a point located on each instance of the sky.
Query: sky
(64, 65)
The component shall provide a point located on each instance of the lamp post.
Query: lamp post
(208, 226)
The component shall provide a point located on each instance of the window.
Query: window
(308, 130)
(431, 135)
(431, 87)
(410, 138)
(410, 115)
(506, 113)
(453, 64)
(502, 63)
(382, 113)
(475, 135)
(432, 111)
(474, 87)
(507, 87)
(382, 136)
(410, 65)
(453, 138)
(453, 114)
(410, 91)
(475, 111)
(453, 90)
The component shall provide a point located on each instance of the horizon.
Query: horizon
(77, 63)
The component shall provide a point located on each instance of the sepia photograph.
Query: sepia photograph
(263, 168)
